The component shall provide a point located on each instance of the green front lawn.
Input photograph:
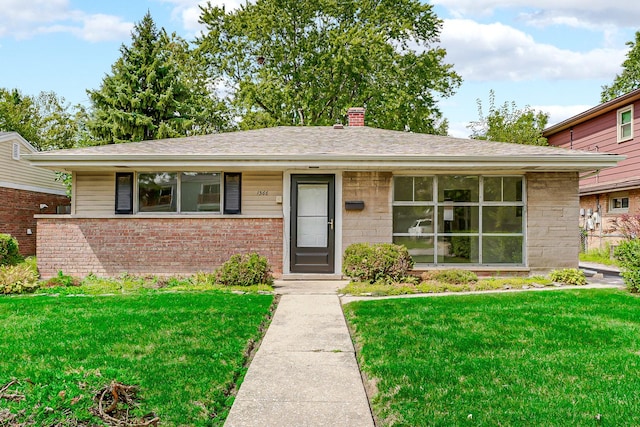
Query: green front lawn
(185, 351)
(558, 358)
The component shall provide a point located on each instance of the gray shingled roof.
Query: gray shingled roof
(316, 144)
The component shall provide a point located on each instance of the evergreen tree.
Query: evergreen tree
(155, 91)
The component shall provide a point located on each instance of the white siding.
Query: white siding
(20, 174)
(95, 193)
(260, 193)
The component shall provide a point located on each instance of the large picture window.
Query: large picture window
(180, 192)
(460, 219)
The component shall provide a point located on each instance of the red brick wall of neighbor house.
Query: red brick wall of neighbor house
(600, 134)
(16, 214)
(152, 246)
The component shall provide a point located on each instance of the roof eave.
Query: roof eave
(593, 112)
(564, 162)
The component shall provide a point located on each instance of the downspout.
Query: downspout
(571, 138)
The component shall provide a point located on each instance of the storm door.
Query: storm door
(312, 223)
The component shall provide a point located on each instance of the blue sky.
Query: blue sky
(548, 54)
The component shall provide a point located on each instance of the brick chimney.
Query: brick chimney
(356, 116)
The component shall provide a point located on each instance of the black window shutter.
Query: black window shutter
(124, 193)
(232, 192)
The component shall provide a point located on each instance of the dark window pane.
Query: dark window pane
(502, 219)
(458, 250)
(512, 186)
(502, 250)
(458, 188)
(423, 186)
(458, 219)
(420, 248)
(200, 192)
(413, 219)
(157, 192)
(403, 189)
(493, 189)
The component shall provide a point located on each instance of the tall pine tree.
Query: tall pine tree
(155, 90)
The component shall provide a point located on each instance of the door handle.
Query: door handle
(331, 223)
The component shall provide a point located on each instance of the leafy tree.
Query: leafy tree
(305, 62)
(157, 89)
(629, 79)
(44, 120)
(508, 123)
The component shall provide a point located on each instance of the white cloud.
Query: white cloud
(188, 11)
(22, 19)
(490, 52)
(558, 113)
(575, 13)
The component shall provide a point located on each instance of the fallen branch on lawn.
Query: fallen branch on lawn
(118, 392)
(16, 397)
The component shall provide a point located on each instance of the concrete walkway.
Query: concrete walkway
(305, 371)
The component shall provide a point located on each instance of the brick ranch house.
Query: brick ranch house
(301, 195)
(25, 191)
(605, 194)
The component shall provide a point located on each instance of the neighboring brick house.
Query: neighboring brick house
(25, 191)
(611, 127)
(301, 195)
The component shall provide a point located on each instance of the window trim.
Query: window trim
(621, 196)
(620, 125)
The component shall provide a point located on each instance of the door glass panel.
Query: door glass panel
(312, 221)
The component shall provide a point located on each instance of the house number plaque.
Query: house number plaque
(262, 192)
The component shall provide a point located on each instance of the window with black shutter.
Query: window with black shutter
(124, 193)
(232, 192)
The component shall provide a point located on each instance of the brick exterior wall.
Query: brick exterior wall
(152, 246)
(553, 239)
(373, 224)
(16, 214)
(605, 232)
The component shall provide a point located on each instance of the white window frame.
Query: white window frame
(481, 203)
(621, 126)
(618, 196)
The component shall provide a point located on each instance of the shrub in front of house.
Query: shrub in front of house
(453, 276)
(18, 279)
(9, 253)
(568, 276)
(244, 270)
(372, 263)
(628, 255)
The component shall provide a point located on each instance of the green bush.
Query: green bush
(378, 262)
(568, 276)
(62, 280)
(9, 253)
(628, 255)
(18, 279)
(244, 270)
(450, 276)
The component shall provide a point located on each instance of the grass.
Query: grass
(562, 358)
(599, 256)
(185, 351)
